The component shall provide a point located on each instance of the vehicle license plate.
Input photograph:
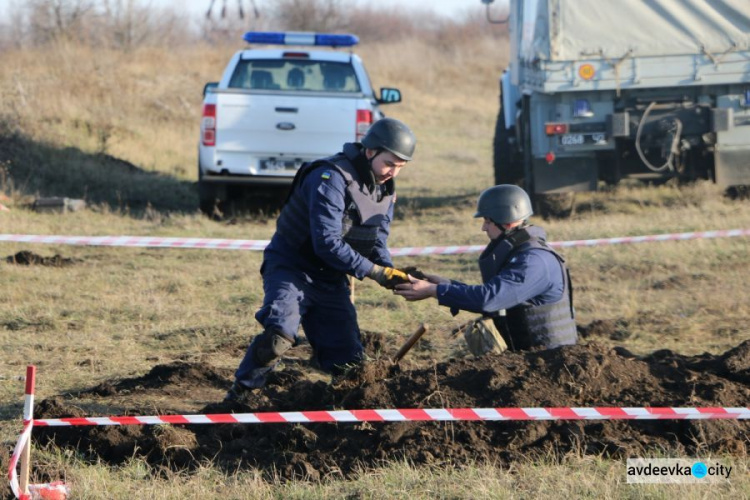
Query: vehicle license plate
(276, 165)
(583, 139)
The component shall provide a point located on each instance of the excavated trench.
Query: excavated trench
(583, 375)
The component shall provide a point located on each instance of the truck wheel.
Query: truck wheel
(559, 205)
(741, 192)
(508, 166)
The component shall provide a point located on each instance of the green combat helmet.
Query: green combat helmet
(391, 135)
(504, 204)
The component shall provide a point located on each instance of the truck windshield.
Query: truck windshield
(294, 75)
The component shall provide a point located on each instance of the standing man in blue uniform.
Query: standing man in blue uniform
(335, 224)
(522, 276)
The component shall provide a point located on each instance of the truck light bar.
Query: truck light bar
(301, 38)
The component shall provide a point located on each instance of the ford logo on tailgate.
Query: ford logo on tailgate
(285, 126)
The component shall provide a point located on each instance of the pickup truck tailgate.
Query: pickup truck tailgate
(281, 126)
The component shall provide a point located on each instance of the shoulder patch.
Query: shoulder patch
(326, 174)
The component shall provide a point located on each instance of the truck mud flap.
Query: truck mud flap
(564, 175)
(732, 164)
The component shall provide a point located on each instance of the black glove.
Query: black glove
(414, 271)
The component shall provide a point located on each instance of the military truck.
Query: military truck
(598, 91)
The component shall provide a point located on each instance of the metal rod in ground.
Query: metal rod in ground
(410, 343)
(28, 416)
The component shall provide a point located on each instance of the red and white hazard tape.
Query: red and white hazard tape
(12, 474)
(703, 235)
(224, 244)
(416, 415)
(393, 415)
(727, 233)
(22, 491)
(139, 241)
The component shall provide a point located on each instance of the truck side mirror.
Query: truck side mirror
(209, 87)
(389, 95)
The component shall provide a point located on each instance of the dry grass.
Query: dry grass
(144, 106)
(577, 477)
(118, 312)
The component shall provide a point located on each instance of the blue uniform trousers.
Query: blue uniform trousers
(323, 308)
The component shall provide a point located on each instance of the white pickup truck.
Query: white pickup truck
(275, 109)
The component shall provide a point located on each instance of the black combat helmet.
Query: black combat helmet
(504, 204)
(391, 135)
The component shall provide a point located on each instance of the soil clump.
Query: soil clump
(27, 258)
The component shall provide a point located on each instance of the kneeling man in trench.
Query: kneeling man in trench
(526, 297)
(334, 224)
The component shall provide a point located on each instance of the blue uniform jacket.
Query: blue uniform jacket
(323, 191)
(533, 276)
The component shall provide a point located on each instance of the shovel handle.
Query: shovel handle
(410, 343)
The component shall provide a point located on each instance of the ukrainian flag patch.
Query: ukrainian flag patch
(326, 175)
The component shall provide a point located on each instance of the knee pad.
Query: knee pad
(269, 346)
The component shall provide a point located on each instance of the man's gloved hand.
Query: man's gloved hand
(387, 277)
(415, 272)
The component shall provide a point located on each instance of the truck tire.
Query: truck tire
(741, 192)
(554, 206)
(507, 165)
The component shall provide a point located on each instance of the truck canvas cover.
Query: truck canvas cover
(560, 30)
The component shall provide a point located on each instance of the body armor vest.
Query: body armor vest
(364, 208)
(527, 325)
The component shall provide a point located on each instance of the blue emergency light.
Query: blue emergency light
(300, 38)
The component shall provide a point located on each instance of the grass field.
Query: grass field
(120, 129)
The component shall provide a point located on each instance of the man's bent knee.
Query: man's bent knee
(269, 347)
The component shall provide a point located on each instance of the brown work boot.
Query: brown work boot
(238, 393)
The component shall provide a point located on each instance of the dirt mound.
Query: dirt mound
(27, 258)
(161, 377)
(582, 375)
(605, 328)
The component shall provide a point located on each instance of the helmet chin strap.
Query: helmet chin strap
(504, 233)
(369, 163)
(377, 152)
